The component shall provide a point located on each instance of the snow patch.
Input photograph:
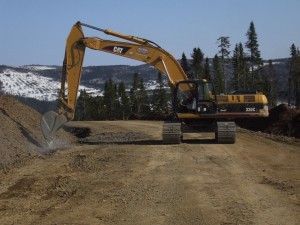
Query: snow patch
(33, 85)
(38, 67)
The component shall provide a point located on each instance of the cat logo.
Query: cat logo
(121, 50)
(117, 50)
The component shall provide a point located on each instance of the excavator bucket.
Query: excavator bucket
(51, 122)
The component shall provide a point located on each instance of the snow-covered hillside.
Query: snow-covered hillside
(38, 67)
(34, 81)
(32, 84)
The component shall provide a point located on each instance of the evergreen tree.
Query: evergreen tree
(110, 99)
(254, 59)
(124, 102)
(160, 98)
(269, 84)
(294, 66)
(94, 105)
(218, 78)
(240, 78)
(139, 97)
(133, 94)
(224, 52)
(244, 68)
(236, 79)
(143, 104)
(207, 75)
(81, 107)
(87, 107)
(197, 64)
(185, 65)
(99, 103)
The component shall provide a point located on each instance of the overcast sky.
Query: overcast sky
(35, 31)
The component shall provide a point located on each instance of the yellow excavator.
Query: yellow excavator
(196, 107)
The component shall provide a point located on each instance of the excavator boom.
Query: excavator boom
(138, 49)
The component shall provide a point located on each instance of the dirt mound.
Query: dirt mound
(20, 132)
(282, 120)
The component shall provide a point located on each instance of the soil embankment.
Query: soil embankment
(20, 132)
(119, 172)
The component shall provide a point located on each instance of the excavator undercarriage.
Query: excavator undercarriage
(172, 132)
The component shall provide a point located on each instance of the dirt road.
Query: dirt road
(122, 174)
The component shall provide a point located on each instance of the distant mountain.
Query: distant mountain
(43, 82)
(28, 81)
(40, 82)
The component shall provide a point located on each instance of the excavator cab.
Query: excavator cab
(195, 97)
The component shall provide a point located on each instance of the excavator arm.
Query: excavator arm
(137, 48)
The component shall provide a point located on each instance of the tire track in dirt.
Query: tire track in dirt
(255, 181)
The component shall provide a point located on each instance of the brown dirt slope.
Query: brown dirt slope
(122, 174)
(21, 136)
(20, 132)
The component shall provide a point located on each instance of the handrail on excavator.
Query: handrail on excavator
(119, 35)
